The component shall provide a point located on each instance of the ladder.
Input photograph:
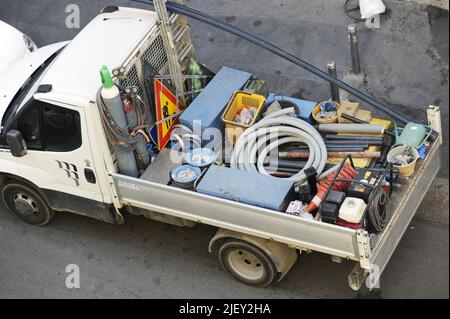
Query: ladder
(177, 43)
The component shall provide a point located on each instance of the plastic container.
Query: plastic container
(201, 157)
(185, 176)
(413, 134)
(406, 170)
(239, 100)
(317, 109)
(370, 8)
(352, 210)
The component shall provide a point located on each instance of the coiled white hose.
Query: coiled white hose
(251, 148)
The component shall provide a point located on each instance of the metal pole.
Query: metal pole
(333, 87)
(353, 40)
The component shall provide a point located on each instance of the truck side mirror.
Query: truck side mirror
(16, 143)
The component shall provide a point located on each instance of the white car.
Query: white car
(15, 45)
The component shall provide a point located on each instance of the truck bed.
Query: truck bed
(368, 250)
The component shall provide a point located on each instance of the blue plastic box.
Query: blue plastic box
(247, 187)
(306, 107)
(208, 106)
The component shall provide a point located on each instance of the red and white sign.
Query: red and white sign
(166, 105)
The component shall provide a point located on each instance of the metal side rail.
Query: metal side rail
(293, 231)
(404, 204)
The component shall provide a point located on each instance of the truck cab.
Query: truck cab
(53, 152)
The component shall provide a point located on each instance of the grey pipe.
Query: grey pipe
(352, 128)
(355, 142)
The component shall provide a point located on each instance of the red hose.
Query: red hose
(347, 172)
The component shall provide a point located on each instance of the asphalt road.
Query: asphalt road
(406, 62)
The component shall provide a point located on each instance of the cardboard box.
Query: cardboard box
(349, 108)
(364, 115)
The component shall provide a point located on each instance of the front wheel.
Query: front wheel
(26, 204)
(247, 263)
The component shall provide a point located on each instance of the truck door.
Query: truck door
(59, 159)
(8, 163)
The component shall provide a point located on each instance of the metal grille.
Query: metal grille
(155, 55)
(132, 78)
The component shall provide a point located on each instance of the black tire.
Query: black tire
(247, 263)
(26, 204)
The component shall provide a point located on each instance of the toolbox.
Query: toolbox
(245, 187)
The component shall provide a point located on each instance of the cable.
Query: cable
(277, 129)
(378, 210)
(121, 139)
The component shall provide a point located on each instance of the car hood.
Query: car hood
(13, 46)
(16, 75)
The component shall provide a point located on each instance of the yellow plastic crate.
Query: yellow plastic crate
(239, 100)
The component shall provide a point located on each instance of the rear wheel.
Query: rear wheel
(247, 263)
(26, 204)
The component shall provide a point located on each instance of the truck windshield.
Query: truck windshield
(27, 90)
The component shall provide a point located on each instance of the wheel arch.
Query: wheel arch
(282, 255)
(5, 177)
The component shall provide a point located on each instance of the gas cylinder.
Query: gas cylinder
(126, 161)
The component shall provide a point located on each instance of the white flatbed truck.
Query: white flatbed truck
(67, 166)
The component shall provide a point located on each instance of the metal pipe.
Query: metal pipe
(285, 164)
(353, 40)
(355, 142)
(353, 137)
(334, 90)
(343, 147)
(336, 148)
(332, 154)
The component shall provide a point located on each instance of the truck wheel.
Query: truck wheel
(247, 263)
(26, 204)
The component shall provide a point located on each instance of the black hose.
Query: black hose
(198, 15)
(221, 24)
(378, 210)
